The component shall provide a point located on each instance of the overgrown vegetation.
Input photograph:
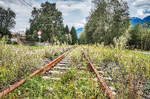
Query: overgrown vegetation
(75, 83)
(139, 37)
(17, 62)
(129, 70)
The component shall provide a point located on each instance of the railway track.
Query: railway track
(110, 91)
(60, 66)
(41, 70)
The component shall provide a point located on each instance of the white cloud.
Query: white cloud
(74, 11)
(138, 8)
(23, 13)
(2, 3)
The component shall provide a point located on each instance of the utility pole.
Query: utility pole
(53, 32)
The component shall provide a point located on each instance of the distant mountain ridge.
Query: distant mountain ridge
(146, 19)
(136, 20)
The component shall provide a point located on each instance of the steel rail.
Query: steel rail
(44, 69)
(100, 78)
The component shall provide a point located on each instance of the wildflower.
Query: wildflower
(93, 97)
(54, 86)
(71, 85)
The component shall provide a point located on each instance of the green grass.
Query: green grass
(77, 83)
(17, 62)
(126, 68)
(69, 86)
(133, 65)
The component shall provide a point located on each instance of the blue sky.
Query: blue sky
(74, 11)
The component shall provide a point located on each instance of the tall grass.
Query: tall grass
(17, 62)
(128, 69)
(75, 83)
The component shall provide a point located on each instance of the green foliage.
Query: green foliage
(121, 42)
(7, 21)
(147, 89)
(109, 19)
(139, 37)
(68, 76)
(17, 61)
(66, 30)
(125, 68)
(82, 38)
(33, 88)
(66, 37)
(47, 19)
(74, 35)
(72, 84)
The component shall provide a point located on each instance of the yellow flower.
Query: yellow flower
(71, 85)
(54, 86)
(93, 97)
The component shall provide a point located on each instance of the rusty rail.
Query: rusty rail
(44, 69)
(100, 78)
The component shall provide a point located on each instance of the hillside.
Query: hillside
(136, 20)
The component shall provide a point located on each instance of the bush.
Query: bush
(140, 37)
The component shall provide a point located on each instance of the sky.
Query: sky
(74, 12)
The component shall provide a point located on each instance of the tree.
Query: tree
(120, 18)
(139, 37)
(82, 38)
(66, 38)
(47, 19)
(66, 30)
(7, 21)
(74, 35)
(135, 35)
(108, 20)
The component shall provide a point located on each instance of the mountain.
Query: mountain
(79, 30)
(136, 20)
(146, 19)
